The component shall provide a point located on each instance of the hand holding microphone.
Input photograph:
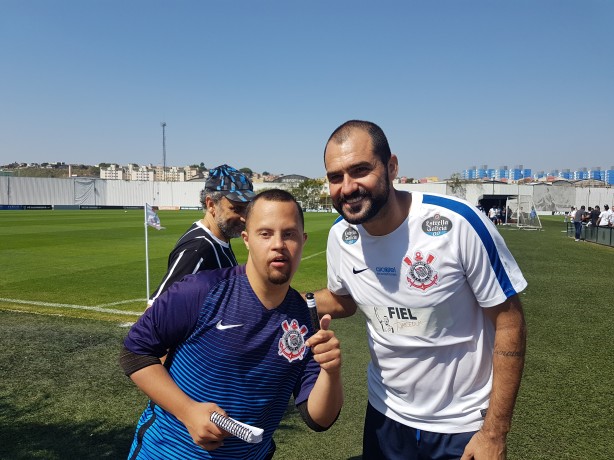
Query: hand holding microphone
(323, 343)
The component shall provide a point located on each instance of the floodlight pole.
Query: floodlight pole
(163, 124)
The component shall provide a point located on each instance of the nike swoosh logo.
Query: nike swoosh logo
(356, 272)
(222, 327)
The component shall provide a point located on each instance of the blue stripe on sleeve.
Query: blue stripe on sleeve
(485, 236)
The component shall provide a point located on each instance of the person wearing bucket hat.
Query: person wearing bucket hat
(233, 184)
(206, 244)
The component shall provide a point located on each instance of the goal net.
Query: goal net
(521, 213)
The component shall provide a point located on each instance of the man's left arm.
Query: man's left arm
(490, 442)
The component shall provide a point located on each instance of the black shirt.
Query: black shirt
(198, 249)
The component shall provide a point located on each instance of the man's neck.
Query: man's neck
(390, 216)
(208, 222)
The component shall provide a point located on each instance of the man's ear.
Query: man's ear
(245, 239)
(210, 205)
(393, 167)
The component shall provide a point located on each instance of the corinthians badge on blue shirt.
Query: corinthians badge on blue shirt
(292, 343)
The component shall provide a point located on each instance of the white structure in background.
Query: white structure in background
(113, 172)
(137, 172)
(547, 198)
(149, 173)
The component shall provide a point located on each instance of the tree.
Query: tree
(266, 173)
(248, 172)
(308, 193)
(457, 186)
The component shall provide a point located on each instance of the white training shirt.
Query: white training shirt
(605, 218)
(421, 288)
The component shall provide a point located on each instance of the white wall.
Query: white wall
(99, 192)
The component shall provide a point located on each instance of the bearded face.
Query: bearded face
(362, 205)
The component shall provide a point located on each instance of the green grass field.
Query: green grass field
(70, 280)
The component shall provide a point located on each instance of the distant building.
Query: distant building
(140, 173)
(113, 172)
(502, 173)
(596, 173)
(426, 180)
(521, 174)
(149, 173)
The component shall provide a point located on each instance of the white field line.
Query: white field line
(121, 302)
(76, 307)
(313, 255)
(100, 308)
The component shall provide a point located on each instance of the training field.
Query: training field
(71, 280)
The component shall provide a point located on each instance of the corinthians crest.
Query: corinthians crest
(420, 273)
(292, 343)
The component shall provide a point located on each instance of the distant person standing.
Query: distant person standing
(533, 216)
(605, 217)
(595, 213)
(206, 244)
(577, 221)
(492, 215)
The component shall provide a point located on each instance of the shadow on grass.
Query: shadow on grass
(293, 436)
(21, 438)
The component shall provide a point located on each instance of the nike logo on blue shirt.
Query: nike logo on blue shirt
(221, 326)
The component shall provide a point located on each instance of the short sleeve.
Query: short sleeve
(169, 321)
(490, 268)
(333, 262)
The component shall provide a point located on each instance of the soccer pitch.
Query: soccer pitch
(69, 280)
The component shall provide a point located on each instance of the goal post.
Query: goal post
(521, 213)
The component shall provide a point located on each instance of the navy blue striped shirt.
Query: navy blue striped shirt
(227, 348)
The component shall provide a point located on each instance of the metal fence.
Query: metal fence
(599, 235)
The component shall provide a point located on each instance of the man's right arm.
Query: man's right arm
(337, 306)
(158, 385)
(163, 327)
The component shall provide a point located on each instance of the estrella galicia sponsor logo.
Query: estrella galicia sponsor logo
(437, 225)
(386, 271)
(350, 235)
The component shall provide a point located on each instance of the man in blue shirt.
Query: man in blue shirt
(241, 343)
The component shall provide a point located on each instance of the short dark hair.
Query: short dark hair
(275, 194)
(379, 142)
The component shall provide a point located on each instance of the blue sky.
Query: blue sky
(262, 84)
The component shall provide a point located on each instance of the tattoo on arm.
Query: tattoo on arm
(515, 354)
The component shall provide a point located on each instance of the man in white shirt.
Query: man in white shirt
(605, 217)
(438, 288)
